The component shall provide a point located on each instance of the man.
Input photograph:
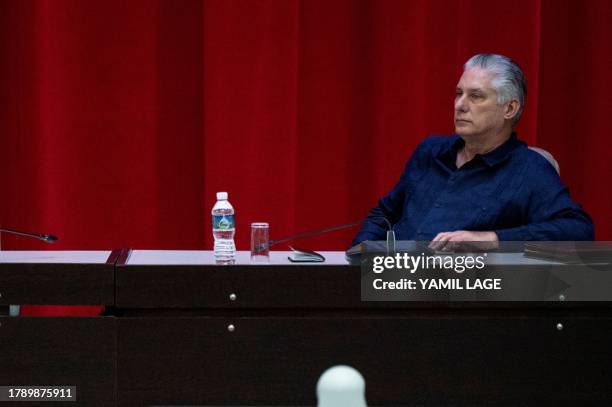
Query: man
(481, 184)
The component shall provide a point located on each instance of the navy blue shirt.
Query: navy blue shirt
(511, 190)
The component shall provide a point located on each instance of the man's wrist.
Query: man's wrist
(492, 236)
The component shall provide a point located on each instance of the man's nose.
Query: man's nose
(460, 103)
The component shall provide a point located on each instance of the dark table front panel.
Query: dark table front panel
(425, 358)
(77, 352)
(302, 286)
(57, 283)
(210, 286)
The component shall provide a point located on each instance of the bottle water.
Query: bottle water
(223, 230)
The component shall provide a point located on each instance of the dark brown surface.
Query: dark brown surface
(123, 255)
(209, 286)
(430, 359)
(79, 352)
(57, 284)
(168, 343)
(274, 287)
(114, 256)
(292, 322)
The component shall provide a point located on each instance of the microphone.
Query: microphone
(44, 238)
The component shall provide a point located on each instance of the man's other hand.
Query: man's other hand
(464, 240)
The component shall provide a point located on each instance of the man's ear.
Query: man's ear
(512, 109)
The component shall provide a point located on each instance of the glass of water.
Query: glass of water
(260, 242)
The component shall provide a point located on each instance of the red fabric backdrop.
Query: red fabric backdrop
(120, 120)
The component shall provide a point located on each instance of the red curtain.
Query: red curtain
(120, 120)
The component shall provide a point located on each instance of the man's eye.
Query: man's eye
(477, 96)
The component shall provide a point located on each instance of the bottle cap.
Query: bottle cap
(222, 196)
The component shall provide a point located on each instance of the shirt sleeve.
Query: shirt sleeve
(551, 213)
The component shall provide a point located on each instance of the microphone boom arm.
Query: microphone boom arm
(313, 233)
(45, 238)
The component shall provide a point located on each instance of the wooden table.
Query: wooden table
(184, 331)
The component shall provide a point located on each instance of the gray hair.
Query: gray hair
(509, 81)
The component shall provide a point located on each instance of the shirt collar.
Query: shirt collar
(491, 158)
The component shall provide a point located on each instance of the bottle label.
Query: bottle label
(224, 222)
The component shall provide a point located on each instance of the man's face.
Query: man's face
(476, 108)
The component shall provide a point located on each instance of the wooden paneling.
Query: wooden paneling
(420, 358)
(81, 352)
(57, 283)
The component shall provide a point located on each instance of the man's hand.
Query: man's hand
(464, 240)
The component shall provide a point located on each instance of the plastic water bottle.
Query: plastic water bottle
(223, 230)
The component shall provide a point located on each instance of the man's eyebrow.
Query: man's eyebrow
(470, 90)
